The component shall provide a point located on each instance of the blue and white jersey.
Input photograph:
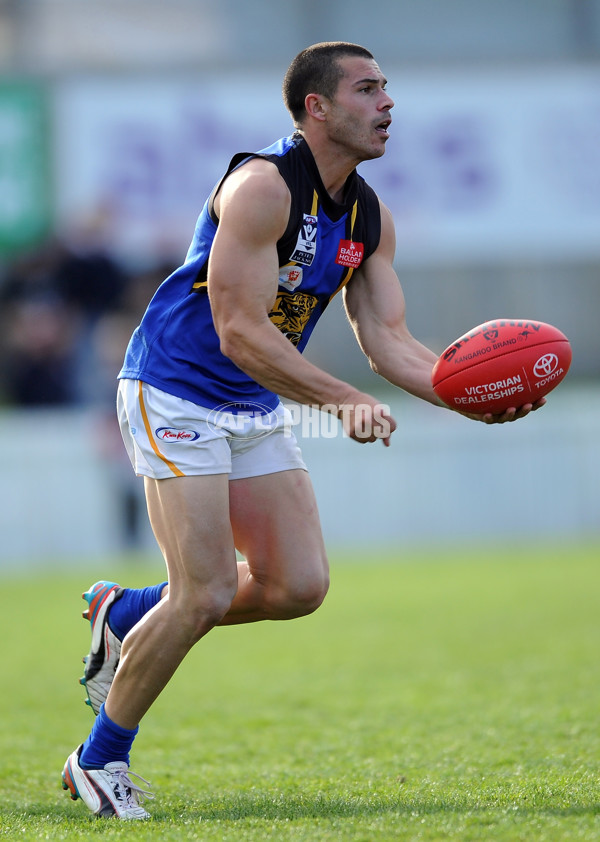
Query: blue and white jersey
(176, 347)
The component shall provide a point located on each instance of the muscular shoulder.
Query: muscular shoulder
(257, 193)
(387, 239)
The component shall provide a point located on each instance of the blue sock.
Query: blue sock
(131, 607)
(107, 742)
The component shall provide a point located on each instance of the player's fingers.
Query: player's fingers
(503, 418)
(512, 414)
(369, 426)
(530, 407)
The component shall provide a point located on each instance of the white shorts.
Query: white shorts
(166, 436)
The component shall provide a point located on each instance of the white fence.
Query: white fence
(64, 492)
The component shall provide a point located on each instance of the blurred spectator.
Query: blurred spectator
(67, 311)
(92, 282)
(49, 301)
(111, 331)
(38, 358)
(86, 275)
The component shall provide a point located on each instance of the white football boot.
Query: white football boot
(108, 792)
(105, 651)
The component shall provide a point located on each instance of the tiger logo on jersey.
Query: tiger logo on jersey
(291, 312)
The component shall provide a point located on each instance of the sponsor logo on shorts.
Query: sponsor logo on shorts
(175, 435)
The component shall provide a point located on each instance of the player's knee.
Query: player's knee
(297, 599)
(201, 609)
(309, 597)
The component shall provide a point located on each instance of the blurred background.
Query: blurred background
(116, 119)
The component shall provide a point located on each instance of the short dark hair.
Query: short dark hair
(316, 70)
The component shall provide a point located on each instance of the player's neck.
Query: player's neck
(334, 167)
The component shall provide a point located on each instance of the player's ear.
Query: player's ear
(316, 106)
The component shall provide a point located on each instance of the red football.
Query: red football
(500, 364)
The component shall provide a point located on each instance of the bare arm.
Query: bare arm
(376, 308)
(253, 208)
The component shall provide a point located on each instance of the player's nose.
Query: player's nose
(387, 103)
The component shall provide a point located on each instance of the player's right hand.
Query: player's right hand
(367, 420)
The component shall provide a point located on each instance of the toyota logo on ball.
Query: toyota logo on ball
(545, 365)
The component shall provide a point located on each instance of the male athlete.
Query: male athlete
(281, 234)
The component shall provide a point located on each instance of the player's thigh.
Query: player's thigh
(276, 526)
(190, 519)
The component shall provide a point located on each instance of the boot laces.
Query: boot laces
(127, 791)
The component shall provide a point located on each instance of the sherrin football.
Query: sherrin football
(501, 364)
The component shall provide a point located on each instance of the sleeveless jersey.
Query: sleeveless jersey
(176, 347)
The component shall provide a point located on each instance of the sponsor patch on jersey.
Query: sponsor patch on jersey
(173, 434)
(290, 277)
(350, 254)
(306, 245)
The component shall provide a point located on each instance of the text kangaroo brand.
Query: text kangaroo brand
(528, 327)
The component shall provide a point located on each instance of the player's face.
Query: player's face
(359, 115)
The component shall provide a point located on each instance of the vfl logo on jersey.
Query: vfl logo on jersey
(290, 277)
(306, 246)
(350, 254)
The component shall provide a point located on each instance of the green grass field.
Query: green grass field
(436, 697)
